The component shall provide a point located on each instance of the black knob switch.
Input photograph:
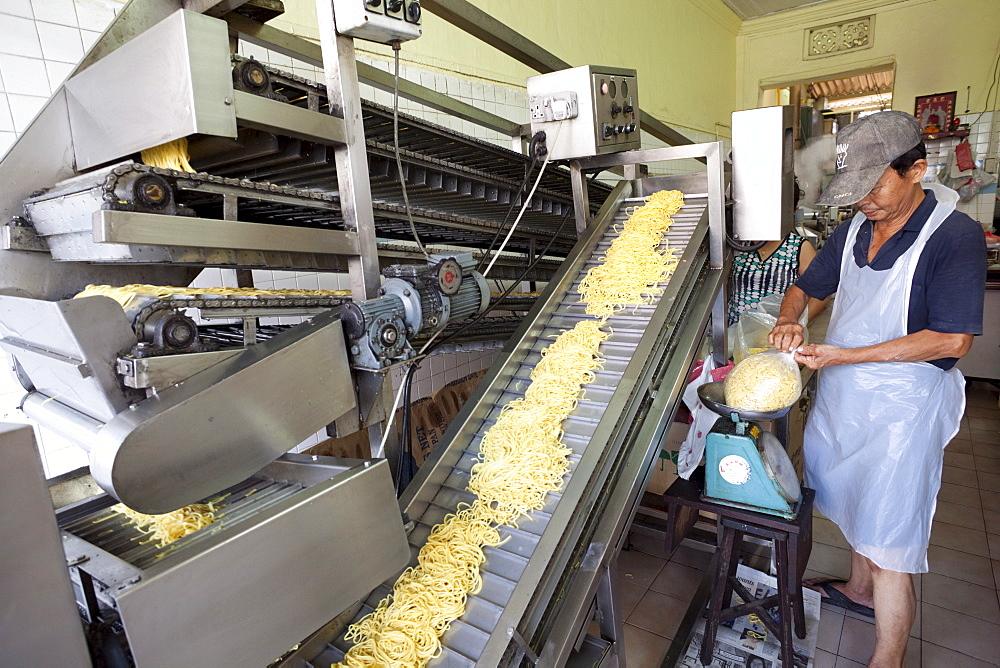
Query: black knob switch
(628, 109)
(373, 3)
(609, 131)
(615, 109)
(414, 11)
(394, 5)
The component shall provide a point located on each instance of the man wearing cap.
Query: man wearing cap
(909, 272)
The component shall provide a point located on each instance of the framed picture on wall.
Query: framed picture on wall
(935, 112)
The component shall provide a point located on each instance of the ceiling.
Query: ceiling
(752, 9)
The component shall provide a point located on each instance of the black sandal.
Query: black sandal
(839, 599)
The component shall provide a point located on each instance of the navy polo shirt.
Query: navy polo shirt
(949, 281)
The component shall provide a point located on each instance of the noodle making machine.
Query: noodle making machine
(185, 398)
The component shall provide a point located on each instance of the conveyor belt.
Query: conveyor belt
(460, 187)
(113, 532)
(506, 568)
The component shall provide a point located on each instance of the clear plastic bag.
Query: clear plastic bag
(751, 330)
(767, 381)
(751, 334)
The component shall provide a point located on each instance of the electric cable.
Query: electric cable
(395, 148)
(527, 202)
(536, 149)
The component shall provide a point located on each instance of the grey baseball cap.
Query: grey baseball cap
(865, 148)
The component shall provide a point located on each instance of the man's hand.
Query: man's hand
(819, 355)
(787, 336)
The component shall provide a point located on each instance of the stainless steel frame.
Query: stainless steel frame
(41, 625)
(197, 48)
(129, 228)
(188, 440)
(340, 68)
(307, 536)
(540, 588)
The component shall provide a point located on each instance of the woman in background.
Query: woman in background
(770, 270)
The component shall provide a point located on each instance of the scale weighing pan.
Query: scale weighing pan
(713, 395)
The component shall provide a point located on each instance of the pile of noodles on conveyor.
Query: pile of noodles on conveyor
(522, 458)
(169, 527)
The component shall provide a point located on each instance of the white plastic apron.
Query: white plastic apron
(875, 438)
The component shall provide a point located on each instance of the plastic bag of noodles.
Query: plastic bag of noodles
(767, 381)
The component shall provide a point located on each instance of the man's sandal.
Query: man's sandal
(839, 599)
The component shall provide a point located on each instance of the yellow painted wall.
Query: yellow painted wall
(936, 46)
(684, 50)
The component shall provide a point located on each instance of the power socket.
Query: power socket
(548, 107)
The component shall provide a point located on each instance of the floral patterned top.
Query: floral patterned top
(752, 279)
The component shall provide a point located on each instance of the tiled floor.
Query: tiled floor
(958, 616)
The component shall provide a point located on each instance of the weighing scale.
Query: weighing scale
(745, 466)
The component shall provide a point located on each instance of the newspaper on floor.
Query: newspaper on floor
(746, 642)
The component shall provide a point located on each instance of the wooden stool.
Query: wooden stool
(792, 540)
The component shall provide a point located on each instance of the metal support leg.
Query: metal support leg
(581, 200)
(354, 185)
(609, 605)
(720, 342)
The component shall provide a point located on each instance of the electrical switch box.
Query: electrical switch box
(382, 21)
(763, 173)
(585, 110)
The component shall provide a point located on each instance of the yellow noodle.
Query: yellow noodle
(124, 294)
(172, 155)
(521, 460)
(767, 381)
(169, 527)
(634, 265)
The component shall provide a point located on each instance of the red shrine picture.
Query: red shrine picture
(935, 112)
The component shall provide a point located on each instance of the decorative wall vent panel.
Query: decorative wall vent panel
(837, 38)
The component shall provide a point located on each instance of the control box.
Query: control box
(763, 173)
(585, 110)
(382, 21)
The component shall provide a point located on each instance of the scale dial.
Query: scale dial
(734, 469)
(779, 467)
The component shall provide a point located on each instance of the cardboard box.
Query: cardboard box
(429, 418)
(665, 466)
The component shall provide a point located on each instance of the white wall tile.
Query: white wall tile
(307, 281)
(55, 11)
(18, 36)
(94, 14)
(24, 76)
(285, 283)
(6, 141)
(20, 8)
(57, 73)
(23, 108)
(6, 121)
(328, 281)
(59, 42)
(89, 37)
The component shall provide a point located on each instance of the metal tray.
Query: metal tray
(713, 395)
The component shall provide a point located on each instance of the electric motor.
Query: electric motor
(413, 300)
(376, 330)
